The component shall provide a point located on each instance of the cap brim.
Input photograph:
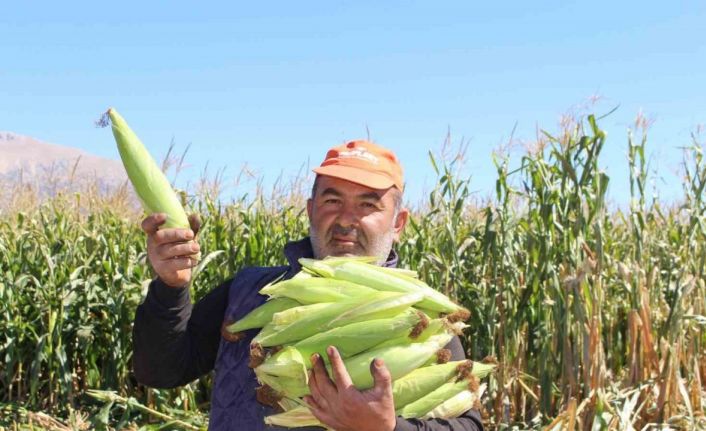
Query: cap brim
(356, 175)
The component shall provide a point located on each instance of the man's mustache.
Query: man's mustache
(338, 230)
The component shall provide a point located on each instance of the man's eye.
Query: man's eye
(369, 205)
(331, 201)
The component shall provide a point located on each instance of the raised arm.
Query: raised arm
(174, 342)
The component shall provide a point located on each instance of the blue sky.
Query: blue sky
(275, 84)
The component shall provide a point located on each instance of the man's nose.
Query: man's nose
(347, 217)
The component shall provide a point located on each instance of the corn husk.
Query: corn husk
(151, 185)
(315, 289)
(379, 305)
(400, 360)
(288, 362)
(337, 260)
(434, 327)
(291, 315)
(400, 271)
(291, 387)
(262, 315)
(299, 416)
(358, 337)
(361, 336)
(266, 331)
(376, 278)
(428, 402)
(456, 405)
(423, 380)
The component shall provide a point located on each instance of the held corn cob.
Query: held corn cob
(287, 404)
(266, 331)
(291, 315)
(400, 360)
(358, 337)
(454, 406)
(379, 305)
(435, 326)
(288, 362)
(400, 271)
(427, 403)
(315, 289)
(262, 315)
(336, 261)
(422, 381)
(299, 416)
(374, 277)
(150, 184)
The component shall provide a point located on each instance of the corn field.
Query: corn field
(596, 314)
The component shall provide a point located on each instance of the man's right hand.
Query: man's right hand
(171, 251)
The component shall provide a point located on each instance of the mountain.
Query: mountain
(55, 167)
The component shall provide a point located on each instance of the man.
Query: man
(355, 209)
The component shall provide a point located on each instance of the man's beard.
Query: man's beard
(378, 247)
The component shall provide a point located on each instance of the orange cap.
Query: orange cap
(364, 163)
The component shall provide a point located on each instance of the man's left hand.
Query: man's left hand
(341, 406)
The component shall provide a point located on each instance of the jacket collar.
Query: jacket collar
(302, 248)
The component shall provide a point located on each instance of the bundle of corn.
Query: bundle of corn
(366, 312)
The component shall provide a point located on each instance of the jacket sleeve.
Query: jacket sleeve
(175, 342)
(469, 421)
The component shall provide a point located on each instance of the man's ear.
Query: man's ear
(309, 207)
(400, 222)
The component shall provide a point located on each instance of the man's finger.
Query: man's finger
(321, 413)
(316, 394)
(165, 236)
(195, 223)
(179, 263)
(171, 250)
(152, 222)
(323, 381)
(381, 377)
(312, 403)
(312, 380)
(338, 369)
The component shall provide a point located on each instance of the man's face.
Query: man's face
(348, 219)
